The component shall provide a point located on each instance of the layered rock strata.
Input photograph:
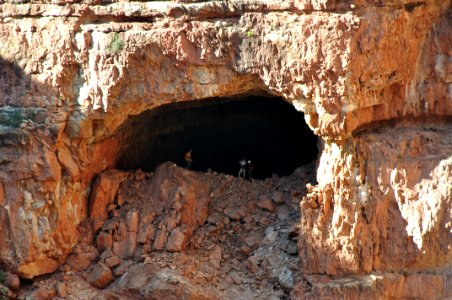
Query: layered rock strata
(71, 74)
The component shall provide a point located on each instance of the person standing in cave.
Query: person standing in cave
(188, 159)
(242, 171)
(249, 171)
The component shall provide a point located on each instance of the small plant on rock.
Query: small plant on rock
(116, 44)
(2, 276)
(14, 119)
(250, 33)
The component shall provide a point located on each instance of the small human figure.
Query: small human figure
(188, 159)
(249, 171)
(242, 171)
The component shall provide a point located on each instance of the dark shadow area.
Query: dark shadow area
(267, 131)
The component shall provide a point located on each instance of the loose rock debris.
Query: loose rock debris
(179, 234)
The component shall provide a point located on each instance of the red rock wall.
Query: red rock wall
(77, 71)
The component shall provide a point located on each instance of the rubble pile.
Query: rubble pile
(179, 234)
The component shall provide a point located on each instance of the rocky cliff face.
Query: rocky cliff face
(374, 79)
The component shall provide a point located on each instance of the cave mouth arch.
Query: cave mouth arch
(220, 132)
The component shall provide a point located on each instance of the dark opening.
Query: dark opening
(220, 132)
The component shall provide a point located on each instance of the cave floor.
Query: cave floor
(246, 249)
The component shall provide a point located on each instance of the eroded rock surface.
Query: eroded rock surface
(387, 208)
(373, 79)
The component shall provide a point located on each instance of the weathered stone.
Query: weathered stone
(379, 286)
(106, 254)
(12, 281)
(111, 207)
(125, 247)
(62, 290)
(253, 240)
(162, 286)
(267, 204)
(132, 218)
(170, 223)
(349, 72)
(285, 278)
(160, 240)
(43, 293)
(176, 240)
(100, 276)
(82, 258)
(122, 267)
(278, 197)
(292, 249)
(104, 241)
(145, 232)
(271, 234)
(102, 194)
(215, 218)
(215, 257)
(312, 202)
(282, 212)
(233, 213)
(120, 200)
(2, 194)
(110, 225)
(112, 261)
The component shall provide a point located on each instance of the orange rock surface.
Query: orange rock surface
(374, 79)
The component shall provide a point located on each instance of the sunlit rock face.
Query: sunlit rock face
(373, 80)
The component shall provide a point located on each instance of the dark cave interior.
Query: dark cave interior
(220, 132)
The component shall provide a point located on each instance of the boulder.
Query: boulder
(267, 204)
(176, 240)
(100, 276)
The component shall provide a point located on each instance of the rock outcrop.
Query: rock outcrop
(372, 77)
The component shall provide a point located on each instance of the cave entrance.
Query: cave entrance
(220, 131)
